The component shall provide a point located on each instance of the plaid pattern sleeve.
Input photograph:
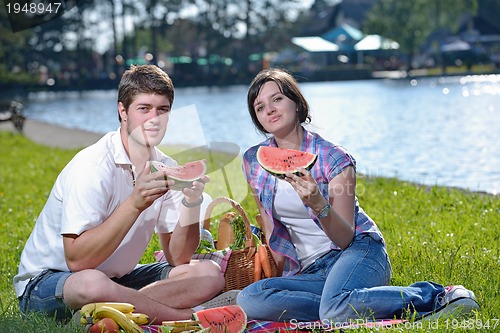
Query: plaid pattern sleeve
(332, 160)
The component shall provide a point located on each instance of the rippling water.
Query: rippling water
(432, 131)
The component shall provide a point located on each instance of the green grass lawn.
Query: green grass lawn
(449, 236)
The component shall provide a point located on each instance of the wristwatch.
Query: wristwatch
(324, 212)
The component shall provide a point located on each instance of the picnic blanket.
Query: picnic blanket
(259, 326)
(255, 326)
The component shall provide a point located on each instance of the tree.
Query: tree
(267, 24)
(410, 23)
(13, 60)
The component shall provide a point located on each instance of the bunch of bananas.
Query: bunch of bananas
(122, 313)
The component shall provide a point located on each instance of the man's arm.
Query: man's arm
(180, 245)
(94, 246)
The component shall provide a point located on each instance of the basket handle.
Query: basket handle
(248, 229)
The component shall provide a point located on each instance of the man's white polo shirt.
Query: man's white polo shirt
(87, 191)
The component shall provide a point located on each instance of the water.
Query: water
(431, 131)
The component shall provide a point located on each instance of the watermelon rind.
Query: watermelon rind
(179, 182)
(224, 319)
(289, 159)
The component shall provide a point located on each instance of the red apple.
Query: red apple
(105, 325)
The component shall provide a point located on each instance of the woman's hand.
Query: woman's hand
(307, 189)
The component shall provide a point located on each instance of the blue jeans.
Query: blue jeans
(341, 286)
(44, 293)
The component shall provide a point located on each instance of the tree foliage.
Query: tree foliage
(71, 46)
(410, 23)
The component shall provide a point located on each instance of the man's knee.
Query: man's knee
(87, 286)
(211, 272)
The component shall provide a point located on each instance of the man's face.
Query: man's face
(146, 119)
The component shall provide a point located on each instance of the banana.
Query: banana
(83, 320)
(87, 309)
(138, 318)
(119, 317)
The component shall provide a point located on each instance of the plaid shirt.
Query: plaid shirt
(332, 159)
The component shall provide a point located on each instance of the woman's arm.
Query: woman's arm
(338, 224)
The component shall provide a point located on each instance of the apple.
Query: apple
(105, 325)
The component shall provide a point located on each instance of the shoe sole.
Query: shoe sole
(224, 299)
(457, 308)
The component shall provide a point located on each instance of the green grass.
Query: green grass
(445, 235)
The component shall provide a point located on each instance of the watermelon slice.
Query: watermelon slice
(278, 161)
(184, 175)
(224, 319)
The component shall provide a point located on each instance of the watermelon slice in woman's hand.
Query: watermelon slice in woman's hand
(279, 161)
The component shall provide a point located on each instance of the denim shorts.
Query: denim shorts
(44, 293)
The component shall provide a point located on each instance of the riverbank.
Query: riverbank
(52, 135)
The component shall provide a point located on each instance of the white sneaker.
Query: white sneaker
(227, 298)
(456, 301)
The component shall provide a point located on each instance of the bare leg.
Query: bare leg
(187, 285)
(171, 299)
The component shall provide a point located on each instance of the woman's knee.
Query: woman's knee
(248, 299)
(337, 309)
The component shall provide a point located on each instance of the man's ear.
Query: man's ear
(122, 111)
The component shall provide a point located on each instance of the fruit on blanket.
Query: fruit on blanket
(138, 318)
(88, 309)
(120, 318)
(183, 175)
(121, 313)
(105, 325)
(230, 318)
(278, 161)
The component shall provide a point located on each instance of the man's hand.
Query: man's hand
(149, 187)
(194, 193)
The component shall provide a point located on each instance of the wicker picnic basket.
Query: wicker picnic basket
(240, 267)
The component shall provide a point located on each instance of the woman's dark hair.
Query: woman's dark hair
(145, 79)
(288, 86)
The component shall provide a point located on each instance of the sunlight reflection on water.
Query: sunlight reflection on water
(433, 131)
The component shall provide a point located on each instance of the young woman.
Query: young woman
(332, 254)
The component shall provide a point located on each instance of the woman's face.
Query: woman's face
(275, 112)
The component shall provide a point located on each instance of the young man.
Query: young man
(102, 212)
